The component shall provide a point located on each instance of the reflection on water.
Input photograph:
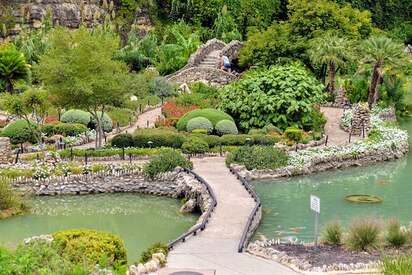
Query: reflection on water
(139, 220)
(286, 202)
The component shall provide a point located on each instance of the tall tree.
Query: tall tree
(332, 51)
(13, 67)
(383, 54)
(79, 72)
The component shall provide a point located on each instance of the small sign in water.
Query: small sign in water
(315, 206)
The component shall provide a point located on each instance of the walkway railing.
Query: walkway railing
(206, 217)
(248, 230)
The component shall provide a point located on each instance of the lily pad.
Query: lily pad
(363, 199)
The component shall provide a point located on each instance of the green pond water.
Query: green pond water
(140, 220)
(286, 202)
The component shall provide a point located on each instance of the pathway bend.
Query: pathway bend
(336, 136)
(216, 247)
(146, 119)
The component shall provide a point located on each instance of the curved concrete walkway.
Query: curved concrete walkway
(216, 247)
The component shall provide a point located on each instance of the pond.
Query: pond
(140, 220)
(286, 202)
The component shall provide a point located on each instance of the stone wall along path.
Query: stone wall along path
(216, 247)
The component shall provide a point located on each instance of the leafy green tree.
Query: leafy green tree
(310, 16)
(281, 95)
(384, 55)
(79, 72)
(32, 105)
(332, 51)
(275, 45)
(13, 67)
(225, 27)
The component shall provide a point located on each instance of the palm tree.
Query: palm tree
(13, 67)
(332, 51)
(383, 54)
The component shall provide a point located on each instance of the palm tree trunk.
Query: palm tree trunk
(9, 86)
(332, 72)
(372, 98)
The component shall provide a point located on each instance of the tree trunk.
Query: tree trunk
(332, 71)
(372, 97)
(9, 86)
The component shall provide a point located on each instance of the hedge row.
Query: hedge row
(153, 139)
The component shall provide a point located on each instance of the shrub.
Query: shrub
(64, 129)
(211, 114)
(91, 246)
(166, 161)
(332, 234)
(271, 129)
(156, 248)
(401, 265)
(171, 110)
(258, 157)
(226, 127)
(106, 122)
(294, 134)
(282, 95)
(394, 235)
(122, 141)
(199, 123)
(7, 196)
(364, 234)
(38, 257)
(76, 116)
(19, 132)
(195, 145)
(200, 131)
(160, 87)
(158, 137)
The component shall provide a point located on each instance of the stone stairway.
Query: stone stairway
(211, 61)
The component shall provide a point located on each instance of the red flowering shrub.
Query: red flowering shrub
(174, 111)
(50, 119)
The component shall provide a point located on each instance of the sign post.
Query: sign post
(315, 207)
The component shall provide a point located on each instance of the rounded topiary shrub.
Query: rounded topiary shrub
(64, 129)
(195, 145)
(76, 116)
(91, 246)
(199, 123)
(211, 114)
(226, 127)
(19, 132)
(107, 122)
(123, 141)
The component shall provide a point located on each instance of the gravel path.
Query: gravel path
(144, 120)
(336, 136)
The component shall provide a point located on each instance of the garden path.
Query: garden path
(146, 119)
(216, 247)
(336, 136)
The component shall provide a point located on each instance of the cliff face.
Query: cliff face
(68, 13)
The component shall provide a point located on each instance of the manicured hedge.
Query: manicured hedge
(65, 129)
(211, 114)
(195, 145)
(94, 247)
(19, 132)
(170, 138)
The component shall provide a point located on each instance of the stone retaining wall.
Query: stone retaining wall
(176, 184)
(214, 77)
